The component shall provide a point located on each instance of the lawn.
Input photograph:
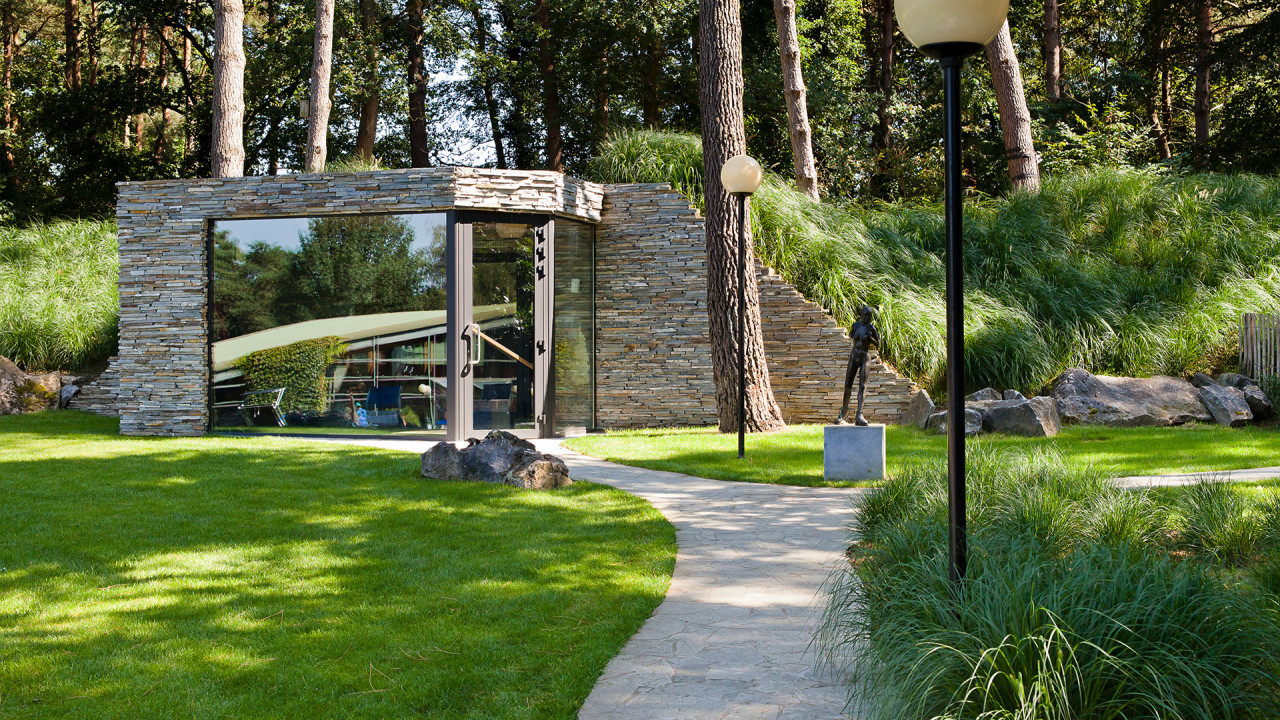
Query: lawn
(794, 456)
(263, 577)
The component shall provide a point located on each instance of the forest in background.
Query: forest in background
(98, 91)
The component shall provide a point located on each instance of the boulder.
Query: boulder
(984, 395)
(21, 393)
(1087, 399)
(68, 392)
(501, 458)
(1259, 404)
(919, 408)
(1034, 417)
(1228, 405)
(937, 422)
(1201, 380)
(1012, 395)
(1236, 380)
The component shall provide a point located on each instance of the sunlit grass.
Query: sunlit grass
(794, 456)
(265, 577)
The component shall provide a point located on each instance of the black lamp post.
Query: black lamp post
(950, 31)
(741, 177)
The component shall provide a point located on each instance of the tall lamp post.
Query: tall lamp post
(950, 31)
(741, 177)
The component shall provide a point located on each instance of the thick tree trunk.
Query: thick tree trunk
(162, 67)
(371, 29)
(1204, 47)
(419, 153)
(321, 70)
(1015, 118)
(486, 83)
(71, 50)
(228, 89)
(651, 103)
(882, 76)
(550, 94)
(1052, 51)
(720, 88)
(7, 160)
(140, 118)
(784, 12)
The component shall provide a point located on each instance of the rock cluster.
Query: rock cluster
(21, 393)
(1009, 412)
(501, 458)
(1087, 399)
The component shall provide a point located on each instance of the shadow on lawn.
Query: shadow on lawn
(281, 578)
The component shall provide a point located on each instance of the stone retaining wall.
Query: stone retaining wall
(100, 396)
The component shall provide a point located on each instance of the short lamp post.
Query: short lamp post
(950, 31)
(741, 177)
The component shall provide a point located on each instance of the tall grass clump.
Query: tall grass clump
(59, 302)
(1081, 601)
(1116, 270)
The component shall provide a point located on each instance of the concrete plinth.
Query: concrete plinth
(852, 452)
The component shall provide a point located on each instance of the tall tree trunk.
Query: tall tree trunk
(1166, 106)
(651, 103)
(486, 83)
(1015, 118)
(141, 65)
(162, 67)
(11, 28)
(94, 48)
(1052, 51)
(131, 61)
(882, 75)
(550, 94)
(1204, 47)
(228, 88)
(71, 32)
(1159, 126)
(321, 70)
(419, 154)
(720, 88)
(784, 12)
(371, 29)
(188, 112)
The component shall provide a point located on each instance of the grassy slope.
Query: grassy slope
(58, 298)
(218, 577)
(1118, 271)
(794, 456)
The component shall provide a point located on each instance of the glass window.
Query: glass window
(330, 324)
(574, 327)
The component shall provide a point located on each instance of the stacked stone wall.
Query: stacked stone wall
(100, 396)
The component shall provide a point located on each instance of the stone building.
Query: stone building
(463, 299)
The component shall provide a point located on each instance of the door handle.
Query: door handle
(468, 336)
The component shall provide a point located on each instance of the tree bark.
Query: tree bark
(651, 103)
(882, 74)
(1166, 107)
(11, 28)
(720, 88)
(162, 67)
(1204, 47)
(550, 94)
(1159, 125)
(141, 65)
(228, 89)
(419, 154)
(94, 47)
(486, 83)
(1015, 118)
(321, 70)
(806, 171)
(1052, 51)
(371, 29)
(71, 52)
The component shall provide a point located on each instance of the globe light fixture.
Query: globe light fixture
(950, 31)
(741, 176)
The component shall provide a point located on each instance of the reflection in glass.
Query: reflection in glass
(574, 328)
(333, 324)
(502, 296)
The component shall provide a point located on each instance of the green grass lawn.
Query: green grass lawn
(269, 578)
(794, 456)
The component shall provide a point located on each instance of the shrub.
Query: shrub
(1072, 606)
(59, 306)
(299, 368)
(1119, 271)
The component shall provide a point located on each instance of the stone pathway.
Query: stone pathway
(731, 639)
(1179, 479)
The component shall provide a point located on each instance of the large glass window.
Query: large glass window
(574, 328)
(330, 324)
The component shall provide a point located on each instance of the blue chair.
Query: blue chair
(382, 406)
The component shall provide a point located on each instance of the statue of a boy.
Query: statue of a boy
(864, 335)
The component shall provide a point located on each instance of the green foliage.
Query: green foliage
(299, 368)
(58, 300)
(1117, 271)
(1073, 605)
(1220, 519)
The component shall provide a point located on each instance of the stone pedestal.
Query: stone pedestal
(850, 452)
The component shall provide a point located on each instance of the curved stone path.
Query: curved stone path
(731, 639)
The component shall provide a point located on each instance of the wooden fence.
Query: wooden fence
(1259, 345)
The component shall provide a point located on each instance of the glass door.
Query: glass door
(502, 301)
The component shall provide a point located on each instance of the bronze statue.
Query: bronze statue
(864, 335)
